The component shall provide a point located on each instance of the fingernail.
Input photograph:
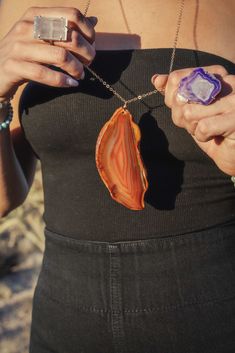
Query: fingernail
(71, 82)
(82, 75)
(154, 78)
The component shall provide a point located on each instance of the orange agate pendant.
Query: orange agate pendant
(119, 162)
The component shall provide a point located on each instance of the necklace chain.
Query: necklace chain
(181, 9)
(87, 8)
(144, 95)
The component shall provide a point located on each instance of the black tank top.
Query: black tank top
(187, 192)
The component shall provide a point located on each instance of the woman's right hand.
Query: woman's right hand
(23, 58)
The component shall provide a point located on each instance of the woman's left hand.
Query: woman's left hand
(212, 126)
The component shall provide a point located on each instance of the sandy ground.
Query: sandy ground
(19, 269)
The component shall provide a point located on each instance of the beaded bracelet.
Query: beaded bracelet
(9, 117)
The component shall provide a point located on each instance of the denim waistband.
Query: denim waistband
(207, 236)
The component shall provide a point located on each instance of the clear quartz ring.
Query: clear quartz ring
(199, 87)
(51, 28)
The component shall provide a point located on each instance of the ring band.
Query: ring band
(199, 87)
(182, 98)
(51, 28)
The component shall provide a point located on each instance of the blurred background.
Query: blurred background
(21, 251)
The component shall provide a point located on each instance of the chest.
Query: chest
(207, 25)
(68, 121)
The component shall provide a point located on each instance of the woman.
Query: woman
(160, 279)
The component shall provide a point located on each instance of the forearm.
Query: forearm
(13, 184)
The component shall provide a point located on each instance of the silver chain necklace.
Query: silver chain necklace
(117, 154)
(141, 96)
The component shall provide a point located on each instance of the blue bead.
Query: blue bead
(9, 118)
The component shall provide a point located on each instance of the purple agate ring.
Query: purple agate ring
(199, 87)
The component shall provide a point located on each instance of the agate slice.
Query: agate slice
(119, 162)
(199, 87)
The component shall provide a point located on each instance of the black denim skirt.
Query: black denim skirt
(160, 295)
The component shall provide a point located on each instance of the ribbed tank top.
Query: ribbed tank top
(187, 192)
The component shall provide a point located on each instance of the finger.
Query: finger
(188, 115)
(219, 125)
(80, 47)
(22, 71)
(160, 81)
(178, 115)
(167, 81)
(228, 85)
(179, 120)
(175, 77)
(75, 18)
(76, 43)
(48, 54)
(197, 111)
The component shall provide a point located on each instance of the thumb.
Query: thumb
(159, 82)
(93, 20)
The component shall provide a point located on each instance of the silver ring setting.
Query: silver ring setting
(51, 28)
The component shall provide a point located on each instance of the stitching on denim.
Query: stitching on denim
(143, 246)
(169, 240)
(79, 243)
(179, 238)
(146, 310)
(176, 306)
(116, 313)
